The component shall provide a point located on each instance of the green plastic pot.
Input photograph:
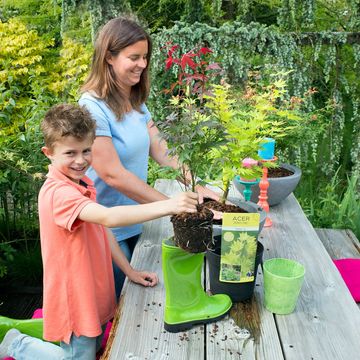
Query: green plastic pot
(283, 279)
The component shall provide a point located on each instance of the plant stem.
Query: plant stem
(226, 192)
(193, 181)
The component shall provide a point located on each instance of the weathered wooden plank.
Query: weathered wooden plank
(249, 332)
(140, 333)
(326, 321)
(339, 243)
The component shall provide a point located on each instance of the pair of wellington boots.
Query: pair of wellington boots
(186, 302)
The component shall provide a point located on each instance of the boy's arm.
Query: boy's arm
(134, 214)
(141, 277)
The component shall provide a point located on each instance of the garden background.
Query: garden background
(45, 53)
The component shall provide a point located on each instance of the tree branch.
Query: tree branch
(311, 38)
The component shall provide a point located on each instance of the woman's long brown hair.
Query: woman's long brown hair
(116, 35)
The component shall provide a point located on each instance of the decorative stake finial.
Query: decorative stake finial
(266, 152)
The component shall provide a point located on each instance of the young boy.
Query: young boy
(77, 246)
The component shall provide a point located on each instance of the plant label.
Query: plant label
(238, 247)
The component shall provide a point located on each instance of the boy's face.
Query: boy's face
(71, 156)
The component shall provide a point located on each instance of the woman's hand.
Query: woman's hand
(145, 278)
(218, 215)
(204, 192)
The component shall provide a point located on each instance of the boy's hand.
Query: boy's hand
(183, 202)
(144, 278)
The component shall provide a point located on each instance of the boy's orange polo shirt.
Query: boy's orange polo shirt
(79, 293)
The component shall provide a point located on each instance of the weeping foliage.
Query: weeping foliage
(89, 15)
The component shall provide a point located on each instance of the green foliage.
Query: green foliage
(189, 134)
(104, 10)
(80, 20)
(23, 73)
(43, 16)
(71, 70)
(188, 130)
(6, 255)
(34, 76)
(21, 57)
(242, 48)
(25, 268)
(336, 207)
(305, 15)
(248, 117)
(76, 21)
(240, 138)
(155, 171)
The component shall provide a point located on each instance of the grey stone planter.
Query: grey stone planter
(249, 207)
(279, 188)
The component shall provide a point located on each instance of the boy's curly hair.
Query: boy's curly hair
(67, 120)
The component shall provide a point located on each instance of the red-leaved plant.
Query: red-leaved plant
(188, 130)
(190, 133)
(194, 71)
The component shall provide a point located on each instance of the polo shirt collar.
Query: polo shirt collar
(57, 175)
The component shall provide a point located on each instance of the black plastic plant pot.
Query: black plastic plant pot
(237, 291)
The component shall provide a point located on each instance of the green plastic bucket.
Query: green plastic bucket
(283, 279)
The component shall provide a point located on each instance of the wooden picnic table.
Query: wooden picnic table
(324, 326)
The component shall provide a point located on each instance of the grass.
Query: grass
(336, 205)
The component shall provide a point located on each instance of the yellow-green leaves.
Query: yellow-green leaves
(71, 69)
(247, 117)
(21, 51)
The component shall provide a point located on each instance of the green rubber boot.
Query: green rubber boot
(32, 327)
(186, 303)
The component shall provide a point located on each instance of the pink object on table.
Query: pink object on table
(248, 163)
(350, 272)
(38, 314)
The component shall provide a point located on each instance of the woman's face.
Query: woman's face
(129, 64)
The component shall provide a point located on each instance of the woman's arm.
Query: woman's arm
(159, 148)
(108, 166)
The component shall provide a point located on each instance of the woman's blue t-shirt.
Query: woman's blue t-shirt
(131, 140)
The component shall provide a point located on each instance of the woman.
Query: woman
(115, 94)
